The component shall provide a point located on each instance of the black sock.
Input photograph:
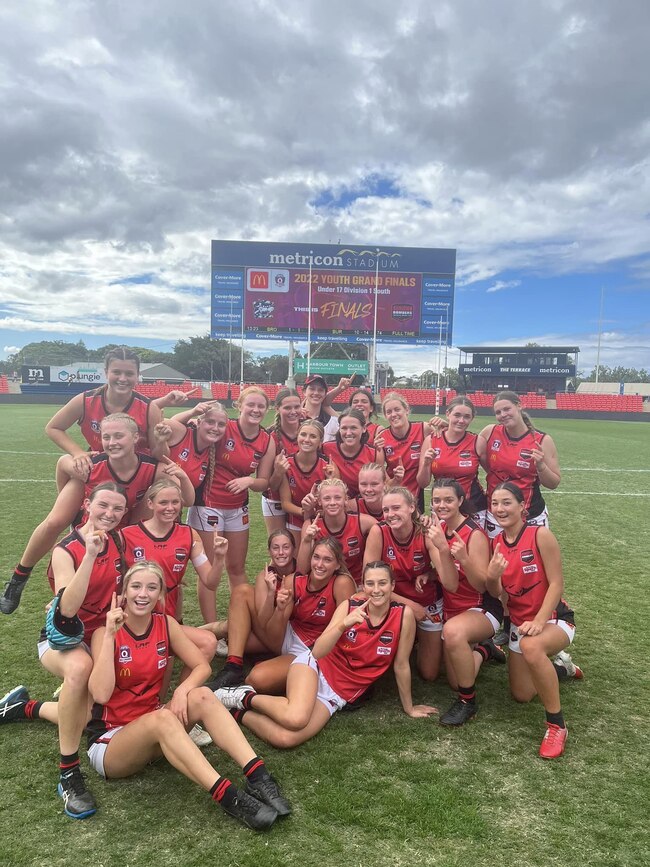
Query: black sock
(255, 769)
(237, 714)
(561, 671)
(557, 719)
(32, 709)
(223, 791)
(68, 763)
(467, 693)
(483, 652)
(506, 623)
(22, 572)
(234, 663)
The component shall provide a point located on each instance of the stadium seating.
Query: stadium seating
(161, 388)
(600, 402)
(4, 385)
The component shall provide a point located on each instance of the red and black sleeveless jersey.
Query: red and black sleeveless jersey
(190, 458)
(349, 468)
(140, 665)
(283, 443)
(301, 482)
(408, 560)
(351, 539)
(236, 456)
(136, 486)
(105, 579)
(362, 508)
(363, 653)
(459, 461)
(524, 579)
(312, 609)
(407, 448)
(371, 429)
(172, 553)
(511, 460)
(94, 410)
(465, 596)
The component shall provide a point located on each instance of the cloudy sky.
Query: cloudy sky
(133, 133)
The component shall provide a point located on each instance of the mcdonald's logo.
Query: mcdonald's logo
(125, 672)
(259, 279)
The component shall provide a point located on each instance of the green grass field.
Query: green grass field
(375, 787)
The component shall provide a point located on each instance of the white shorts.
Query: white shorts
(515, 637)
(97, 750)
(225, 520)
(432, 623)
(494, 623)
(293, 644)
(493, 528)
(272, 508)
(325, 694)
(44, 646)
(479, 518)
(295, 523)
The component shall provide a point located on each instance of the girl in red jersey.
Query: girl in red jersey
(402, 443)
(410, 550)
(244, 462)
(305, 609)
(301, 472)
(350, 529)
(130, 729)
(122, 366)
(190, 438)
(451, 453)
(526, 565)
(363, 400)
(85, 571)
(372, 486)
(284, 431)
(366, 636)
(118, 463)
(251, 626)
(512, 450)
(173, 546)
(470, 615)
(349, 451)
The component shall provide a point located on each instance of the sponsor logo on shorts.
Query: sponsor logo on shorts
(244, 519)
(124, 654)
(384, 651)
(496, 445)
(213, 520)
(387, 637)
(527, 556)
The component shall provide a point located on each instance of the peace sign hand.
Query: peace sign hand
(115, 617)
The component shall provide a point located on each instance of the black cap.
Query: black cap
(316, 378)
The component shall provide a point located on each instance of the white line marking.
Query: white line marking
(601, 470)
(594, 494)
(26, 481)
(10, 452)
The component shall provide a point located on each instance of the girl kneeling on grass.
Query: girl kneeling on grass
(129, 729)
(526, 565)
(366, 636)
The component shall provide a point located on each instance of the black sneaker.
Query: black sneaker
(251, 812)
(459, 713)
(495, 654)
(500, 638)
(227, 677)
(12, 705)
(266, 790)
(78, 803)
(10, 599)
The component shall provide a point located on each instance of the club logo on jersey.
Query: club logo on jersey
(204, 470)
(322, 602)
(527, 556)
(351, 634)
(353, 542)
(525, 454)
(184, 455)
(390, 553)
(496, 445)
(418, 556)
(465, 455)
(384, 651)
(138, 553)
(528, 569)
(161, 648)
(415, 447)
(230, 445)
(118, 568)
(124, 654)
(181, 554)
(387, 637)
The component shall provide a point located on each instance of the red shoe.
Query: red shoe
(553, 742)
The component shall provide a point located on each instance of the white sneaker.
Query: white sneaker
(222, 648)
(564, 659)
(199, 736)
(233, 697)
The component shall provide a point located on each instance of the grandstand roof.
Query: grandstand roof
(506, 349)
(613, 388)
(161, 371)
